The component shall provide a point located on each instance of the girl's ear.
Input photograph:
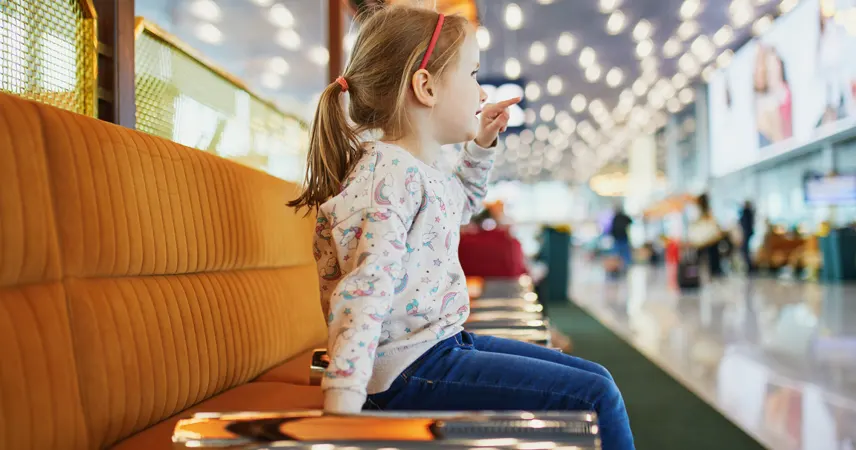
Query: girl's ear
(423, 86)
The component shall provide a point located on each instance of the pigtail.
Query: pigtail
(333, 150)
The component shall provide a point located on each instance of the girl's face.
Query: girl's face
(460, 97)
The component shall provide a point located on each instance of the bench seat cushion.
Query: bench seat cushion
(257, 396)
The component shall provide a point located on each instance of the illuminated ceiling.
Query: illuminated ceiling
(598, 72)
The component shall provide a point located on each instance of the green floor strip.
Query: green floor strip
(663, 414)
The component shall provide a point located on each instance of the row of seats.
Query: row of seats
(142, 281)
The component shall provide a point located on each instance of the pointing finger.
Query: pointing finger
(506, 103)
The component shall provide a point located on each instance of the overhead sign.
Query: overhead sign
(498, 90)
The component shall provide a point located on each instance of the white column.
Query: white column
(641, 173)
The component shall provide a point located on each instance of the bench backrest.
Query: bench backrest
(138, 277)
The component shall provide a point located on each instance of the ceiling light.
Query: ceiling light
(288, 39)
(513, 16)
(644, 48)
(349, 40)
(271, 80)
(688, 29)
(707, 73)
(762, 25)
(565, 44)
(545, 2)
(554, 85)
(542, 133)
(579, 103)
(319, 55)
(665, 87)
(656, 100)
(617, 21)
(679, 80)
(690, 9)
(593, 73)
(531, 117)
(608, 6)
(597, 107)
(587, 56)
(686, 96)
(689, 65)
(206, 10)
(703, 48)
(512, 141)
(614, 77)
(741, 12)
(724, 59)
(527, 137)
(512, 68)
(649, 77)
(787, 5)
(642, 30)
(263, 3)
(537, 53)
(627, 97)
(208, 33)
(649, 64)
(279, 65)
(548, 112)
(280, 16)
(640, 87)
(483, 38)
(533, 91)
(672, 47)
(723, 36)
(673, 104)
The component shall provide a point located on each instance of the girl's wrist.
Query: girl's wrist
(480, 142)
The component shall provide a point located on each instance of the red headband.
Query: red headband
(433, 42)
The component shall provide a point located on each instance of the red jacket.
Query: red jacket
(491, 254)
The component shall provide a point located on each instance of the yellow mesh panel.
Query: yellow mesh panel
(184, 99)
(48, 52)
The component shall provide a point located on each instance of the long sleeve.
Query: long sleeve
(472, 173)
(369, 249)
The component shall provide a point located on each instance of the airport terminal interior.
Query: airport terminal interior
(673, 198)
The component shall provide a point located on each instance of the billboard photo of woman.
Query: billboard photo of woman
(836, 69)
(773, 102)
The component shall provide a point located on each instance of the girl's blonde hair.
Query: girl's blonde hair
(390, 46)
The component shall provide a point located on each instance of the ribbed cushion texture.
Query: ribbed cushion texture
(138, 278)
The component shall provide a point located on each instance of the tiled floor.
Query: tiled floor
(777, 358)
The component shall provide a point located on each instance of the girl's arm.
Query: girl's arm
(370, 247)
(471, 175)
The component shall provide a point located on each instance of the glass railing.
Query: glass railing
(48, 52)
(185, 98)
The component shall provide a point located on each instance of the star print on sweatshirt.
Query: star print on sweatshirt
(387, 253)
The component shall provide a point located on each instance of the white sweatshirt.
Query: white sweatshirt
(387, 251)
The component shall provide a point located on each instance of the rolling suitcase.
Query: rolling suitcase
(689, 270)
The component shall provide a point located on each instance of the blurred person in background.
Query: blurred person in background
(747, 226)
(619, 230)
(488, 250)
(706, 235)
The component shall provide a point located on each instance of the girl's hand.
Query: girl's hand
(494, 120)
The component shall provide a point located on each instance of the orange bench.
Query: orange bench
(141, 281)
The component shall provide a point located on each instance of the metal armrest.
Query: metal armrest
(484, 316)
(318, 365)
(534, 336)
(540, 324)
(382, 430)
(507, 306)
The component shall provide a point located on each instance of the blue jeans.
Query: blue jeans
(475, 373)
(625, 252)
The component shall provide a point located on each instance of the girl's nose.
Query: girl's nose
(482, 95)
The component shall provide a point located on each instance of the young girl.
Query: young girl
(388, 229)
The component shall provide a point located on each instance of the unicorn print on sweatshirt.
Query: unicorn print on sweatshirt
(391, 282)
